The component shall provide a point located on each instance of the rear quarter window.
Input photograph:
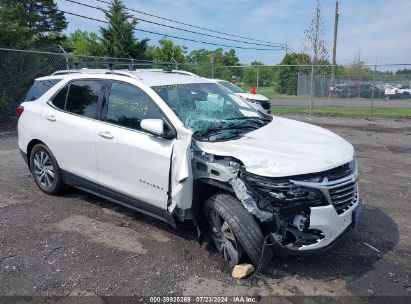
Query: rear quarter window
(39, 88)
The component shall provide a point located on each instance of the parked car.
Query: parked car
(260, 101)
(404, 91)
(179, 147)
(367, 90)
(364, 90)
(345, 91)
(393, 92)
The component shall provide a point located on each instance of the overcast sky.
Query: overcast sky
(377, 29)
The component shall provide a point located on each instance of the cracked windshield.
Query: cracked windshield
(211, 111)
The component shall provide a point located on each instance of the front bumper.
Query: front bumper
(331, 224)
(335, 227)
(261, 105)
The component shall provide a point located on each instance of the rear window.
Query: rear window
(39, 88)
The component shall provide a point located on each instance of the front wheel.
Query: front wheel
(235, 232)
(45, 170)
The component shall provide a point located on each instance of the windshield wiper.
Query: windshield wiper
(247, 118)
(210, 131)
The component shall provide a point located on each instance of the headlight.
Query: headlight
(281, 192)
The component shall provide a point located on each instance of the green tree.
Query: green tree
(30, 22)
(167, 51)
(266, 75)
(288, 76)
(118, 38)
(403, 72)
(219, 59)
(84, 43)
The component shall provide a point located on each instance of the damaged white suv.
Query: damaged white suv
(179, 147)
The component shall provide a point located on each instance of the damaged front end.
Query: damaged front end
(309, 211)
(301, 213)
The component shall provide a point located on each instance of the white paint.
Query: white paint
(285, 147)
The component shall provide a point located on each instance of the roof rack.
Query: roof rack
(131, 64)
(131, 70)
(92, 71)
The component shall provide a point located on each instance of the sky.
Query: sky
(378, 30)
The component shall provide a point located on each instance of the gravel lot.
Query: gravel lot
(78, 244)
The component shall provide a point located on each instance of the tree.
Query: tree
(118, 38)
(358, 70)
(266, 75)
(84, 43)
(288, 76)
(30, 22)
(315, 43)
(219, 59)
(167, 51)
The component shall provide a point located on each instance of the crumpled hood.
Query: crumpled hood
(285, 147)
(252, 96)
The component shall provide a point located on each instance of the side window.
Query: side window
(39, 88)
(83, 97)
(128, 105)
(60, 99)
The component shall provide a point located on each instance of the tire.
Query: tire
(244, 227)
(45, 170)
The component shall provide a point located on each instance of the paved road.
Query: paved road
(342, 103)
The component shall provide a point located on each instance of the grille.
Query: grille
(343, 197)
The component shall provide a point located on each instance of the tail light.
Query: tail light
(19, 111)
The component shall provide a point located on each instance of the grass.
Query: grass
(271, 94)
(345, 111)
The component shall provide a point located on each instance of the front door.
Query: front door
(132, 164)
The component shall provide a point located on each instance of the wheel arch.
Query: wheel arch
(203, 189)
(30, 147)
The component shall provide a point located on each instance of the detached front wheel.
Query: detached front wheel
(235, 232)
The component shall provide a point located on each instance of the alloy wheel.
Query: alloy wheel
(224, 239)
(44, 169)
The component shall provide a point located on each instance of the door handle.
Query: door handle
(105, 134)
(50, 117)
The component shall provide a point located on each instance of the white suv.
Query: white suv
(260, 102)
(179, 147)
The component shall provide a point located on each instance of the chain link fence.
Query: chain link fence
(19, 68)
(291, 88)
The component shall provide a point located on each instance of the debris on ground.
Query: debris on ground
(242, 270)
(371, 247)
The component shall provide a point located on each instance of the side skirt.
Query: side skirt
(118, 198)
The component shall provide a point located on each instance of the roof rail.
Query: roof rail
(97, 71)
(130, 63)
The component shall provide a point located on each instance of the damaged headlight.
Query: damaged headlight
(282, 192)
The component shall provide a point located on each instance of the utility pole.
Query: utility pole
(286, 47)
(212, 66)
(337, 15)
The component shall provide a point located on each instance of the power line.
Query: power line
(181, 29)
(279, 48)
(191, 25)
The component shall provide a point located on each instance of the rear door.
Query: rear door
(70, 121)
(133, 165)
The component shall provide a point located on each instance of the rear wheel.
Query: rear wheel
(235, 231)
(45, 170)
